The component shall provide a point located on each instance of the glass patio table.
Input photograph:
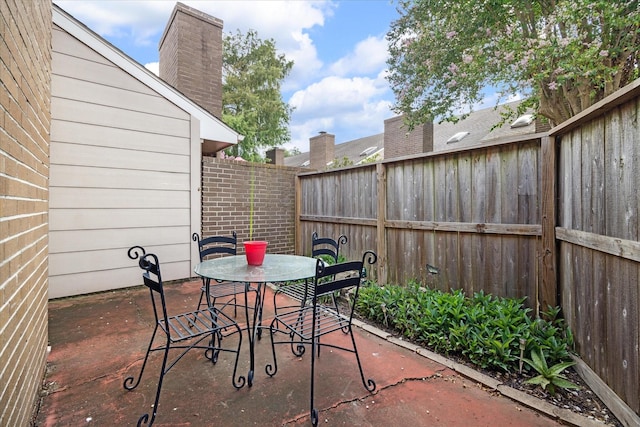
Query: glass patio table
(275, 268)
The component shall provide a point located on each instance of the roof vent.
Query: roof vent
(368, 151)
(306, 163)
(457, 137)
(524, 120)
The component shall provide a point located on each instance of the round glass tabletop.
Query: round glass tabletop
(275, 268)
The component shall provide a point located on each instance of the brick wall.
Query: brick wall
(25, 113)
(226, 189)
(398, 143)
(191, 56)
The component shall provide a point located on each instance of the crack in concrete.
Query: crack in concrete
(363, 398)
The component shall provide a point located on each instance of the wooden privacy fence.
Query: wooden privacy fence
(553, 218)
(474, 215)
(598, 235)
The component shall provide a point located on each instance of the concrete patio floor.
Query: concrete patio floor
(97, 340)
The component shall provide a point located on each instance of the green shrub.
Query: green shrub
(485, 329)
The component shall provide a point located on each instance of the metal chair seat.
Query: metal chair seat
(300, 322)
(186, 326)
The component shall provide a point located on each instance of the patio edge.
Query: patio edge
(564, 415)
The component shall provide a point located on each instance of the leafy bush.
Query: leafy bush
(549, 377)
(485, 329)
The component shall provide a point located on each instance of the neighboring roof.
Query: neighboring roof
(478, 124)
(477, 127)
(349, 149)
(211, 128)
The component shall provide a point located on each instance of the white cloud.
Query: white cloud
(154, 67)
(280, 20)
(300, 133)
(138, 20)
(370, 55)
(306, 63)
(335, 94)
(349, 108)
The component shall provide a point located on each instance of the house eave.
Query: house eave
(212, 129)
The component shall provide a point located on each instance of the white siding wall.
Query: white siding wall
(125, 170)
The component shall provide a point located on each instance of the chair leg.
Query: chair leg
(235, 304)
(369, 384)
(315, 347)
(271, 369)
(202, 296)
(144, 419)
(215, 343)
(345, 329)
(241, 380)
(129, 381)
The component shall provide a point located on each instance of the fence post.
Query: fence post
(548, 291)
(381, 235)
(297, 235)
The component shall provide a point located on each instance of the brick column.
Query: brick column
(275, 156)
(321, 150)
(399, 142)
(191, 56)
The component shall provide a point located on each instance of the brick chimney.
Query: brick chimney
(321, 150)
(191, 56)
(542, 125)
(398, 143)
(275, 156)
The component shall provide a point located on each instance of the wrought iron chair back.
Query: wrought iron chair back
(325, 246)
(218, 245)
(305, 325)
(183, 331)
(321, 248)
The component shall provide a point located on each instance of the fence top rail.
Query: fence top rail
(506, 140)
(627, 93)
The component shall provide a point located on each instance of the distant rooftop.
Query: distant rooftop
(473, 130)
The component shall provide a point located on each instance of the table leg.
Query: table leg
(253, 325)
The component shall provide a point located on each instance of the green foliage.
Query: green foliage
(292, 152)
(485, 329)
(252, 104)
(549, 377)
(371, 159)
(561, 56)
(340, 163)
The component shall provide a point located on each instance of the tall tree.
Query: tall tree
(560, 55)
(252, 73)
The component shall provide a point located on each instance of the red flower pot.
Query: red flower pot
(255, 251)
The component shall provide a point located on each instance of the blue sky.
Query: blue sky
(339, 49)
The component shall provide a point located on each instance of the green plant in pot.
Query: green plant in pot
(255, 250)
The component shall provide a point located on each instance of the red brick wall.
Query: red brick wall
(191, 56)
(25, 116)
(226, 189)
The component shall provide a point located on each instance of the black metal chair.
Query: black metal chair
(183, 331)
(324, 248)
(305, 325)
(218, 245)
